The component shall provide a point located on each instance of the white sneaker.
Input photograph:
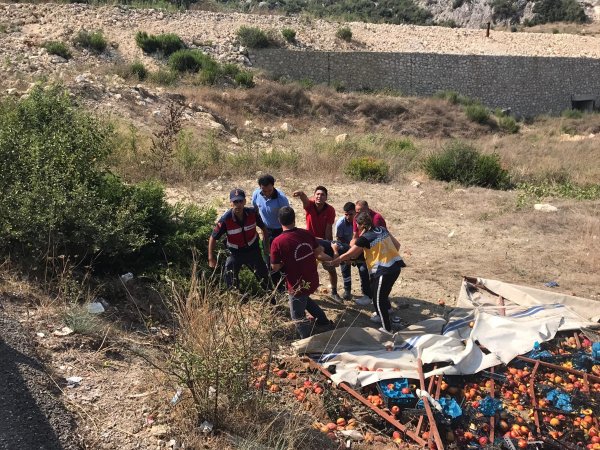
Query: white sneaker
(364, 301)
(384, 331)
(375, 316)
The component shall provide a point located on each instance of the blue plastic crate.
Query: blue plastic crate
(395, 396)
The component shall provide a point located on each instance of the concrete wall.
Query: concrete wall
(528, 85)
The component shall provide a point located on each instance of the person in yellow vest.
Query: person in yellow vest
(380, 249)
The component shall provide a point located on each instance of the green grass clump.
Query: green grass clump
(192, 61)
(289, 35)
(163, 77)
(477, 113)
(92, 40)
(244, 78)
(368, 169)
(508, 124)
(58, 48)
(253, 37)
(138, 69)
(166, 44)
(464, 164)
(344, 33)
(572, 114)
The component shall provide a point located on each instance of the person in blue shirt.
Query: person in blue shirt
(268, 200)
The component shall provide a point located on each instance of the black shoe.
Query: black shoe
(347, 295)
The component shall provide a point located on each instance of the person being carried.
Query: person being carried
(382, 257)
(239, 225)
(320, 217)
(297, 251)
(363, 271)
(268, 200)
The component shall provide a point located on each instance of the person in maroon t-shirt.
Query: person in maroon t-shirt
(378, 221)
(320, 217)
(296, 251)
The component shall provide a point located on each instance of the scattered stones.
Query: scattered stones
(415, 184)
(341, 138)
(286, 127)
(545, 207)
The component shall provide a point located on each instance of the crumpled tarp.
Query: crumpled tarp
(506, 330)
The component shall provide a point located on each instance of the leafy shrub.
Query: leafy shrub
(546, 11)
(208, 76)
(230, 70)
(289, 35)
(508, 124)
(344, 33)
(477, 113)
(166, 44)
(91, 40)
(368, 169)
(59, 196)
(191, 61)
(572, 114)
(138, 69)
(163, 77)
(253, 37)
(244, 78)
(505, 10)
(462, 163)
(58, 48)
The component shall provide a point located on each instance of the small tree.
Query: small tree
(253, 37)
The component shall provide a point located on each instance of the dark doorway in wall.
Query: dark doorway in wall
(583, 102)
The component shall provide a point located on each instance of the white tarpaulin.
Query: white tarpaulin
(504, 318)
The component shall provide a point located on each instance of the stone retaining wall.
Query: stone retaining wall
(528, 85)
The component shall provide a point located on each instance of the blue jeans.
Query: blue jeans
(298, 307)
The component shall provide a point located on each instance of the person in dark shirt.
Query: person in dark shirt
(297, 251)
(239, 225)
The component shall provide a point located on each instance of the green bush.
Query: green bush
(454, 98)
(163, 77)
(58, 48)
(138, 69)
(289, 35)
(244, 78)
(166, 44)
(572, 114)
(230, 70)
(508, 124)
(91, 40)
(546, 11)
(477, 113)
(368, 169)
(462, 163)
(253, 37)
(344, 33)
(59, 198)
(191, 61)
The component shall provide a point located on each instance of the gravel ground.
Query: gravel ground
(31, 416)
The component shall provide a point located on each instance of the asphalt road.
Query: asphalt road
(31, 415)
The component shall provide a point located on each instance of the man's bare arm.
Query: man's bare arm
(212, 261)
(302, 197)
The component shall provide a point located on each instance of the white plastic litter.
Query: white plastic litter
(64, 331)
(126, 277)
(73, 381)
(352, 434)
(206, 427)
(95, 308)
(177, 396)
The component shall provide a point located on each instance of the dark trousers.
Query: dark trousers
(298, 307)
(381, 286)
(277, 278)
(251, 259)
(365, 279)
(363, 272)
